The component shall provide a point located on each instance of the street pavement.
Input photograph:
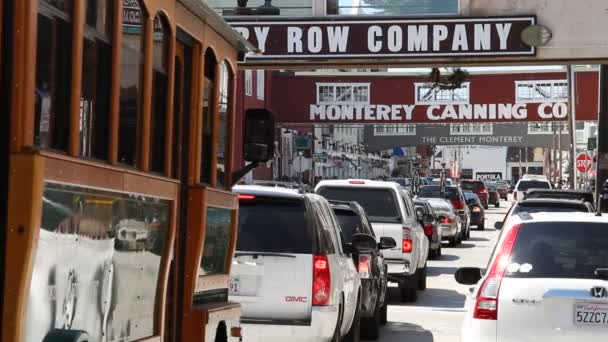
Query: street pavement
(438, 313)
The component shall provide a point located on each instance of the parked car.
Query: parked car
(493, 196)
(478, 213)
(538, 205)
(391, 211)
(455, 195)
(552, 287)
(371, 266)
(479, 188)
(524, 184)
(430, 222)
(449, 221)
(292, 272)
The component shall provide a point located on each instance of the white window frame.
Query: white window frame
(434, 101)
(352, 101)
(248, 83)
(381, 130)
(534, 84)
(471, 128)
(260, 84)
(546, 127)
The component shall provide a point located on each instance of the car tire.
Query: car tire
(354, 334)
(384, 314)
(439, 252)
(409, 288)
(370, 326)
(338, 332)
(481, 226)
(453, 241)
(62, 335)
(497, 205)
(486, 207)
(422, 278)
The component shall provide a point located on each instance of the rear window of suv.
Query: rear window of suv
(526, 185)
(434, 191)
(380, 204)
(274, 226)
(539, 208)
(472, 186)
(559, 250)
(349, 222)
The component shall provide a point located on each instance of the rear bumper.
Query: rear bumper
(321, 328)
(398, 270)
(477, 218)
(448, 231)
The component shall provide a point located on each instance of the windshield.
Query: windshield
(440, 205)
(525, 185)
(559, 250)
(434, 191)
(380, 204)
(274, 226)
(470, 196)
(349, 222)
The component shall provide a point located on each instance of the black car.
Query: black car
(455, 195)
(372, 267)
(537, 205)
(430, 222)
(478, 213)
(581, 195)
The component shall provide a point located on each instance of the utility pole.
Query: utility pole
(572, 125)
(602, 142)
(561, 155)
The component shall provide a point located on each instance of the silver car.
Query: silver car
(449, 222)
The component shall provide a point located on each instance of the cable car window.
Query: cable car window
(131, 82)
(159, 94)
(53, 74)
(218, 234)
(225, 109)
(208, 115)
(96, 80)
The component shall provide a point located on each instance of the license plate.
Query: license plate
(591, 315)
(235, 286)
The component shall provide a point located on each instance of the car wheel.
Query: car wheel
(481, 226)
(354, 334)
(469, 232)
(370, 326)
(384, 314)
(408, 289)
(439, 252)
(62, 335)
(453, 241)
(459, 238)
(422, 279)
(497, 205)
(486, 207)
(338, 333)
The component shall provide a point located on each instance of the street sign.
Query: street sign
(583, 163)
(591, 144)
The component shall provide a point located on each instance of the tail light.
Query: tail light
(428, 229)
(486, 306)
(407, 244)
(458, 205)
(483, 191)
(246, 197)
(321, 280)
(446, 220)
(476, 209)
(364, 266)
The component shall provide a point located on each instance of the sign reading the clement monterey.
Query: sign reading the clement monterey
(385, 38)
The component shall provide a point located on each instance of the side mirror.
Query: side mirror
(468, 275)
(420, 214)
(387, 243)
(428, 219)
(498, 225)
(258, 142)
(363, 243)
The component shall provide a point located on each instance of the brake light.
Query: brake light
(246, 197)
(321, 280)
(356, 182)
(364, 266)
(428, 229)
(476, 209)
(407, 244)
(483, 191)
(486, 306)
(446, 220)
(458, 205)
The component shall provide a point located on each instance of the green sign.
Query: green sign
(591, 144)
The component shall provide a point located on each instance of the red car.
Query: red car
(479, 188)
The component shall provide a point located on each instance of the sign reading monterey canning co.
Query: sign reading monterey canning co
(439, 37)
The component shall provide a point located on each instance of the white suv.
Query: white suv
(529, 182)
(292, 272)
(392, 213)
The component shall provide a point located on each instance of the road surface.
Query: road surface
(438, 313)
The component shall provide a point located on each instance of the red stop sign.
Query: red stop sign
(583, 163)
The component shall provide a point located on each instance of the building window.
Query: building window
(398, 8)
(248, 82)
(225, 107)
(53, 74)
(547, 127)
(395, 129)
(131, 82)
(160, 89)
(343, 93)
(472, 129)
(260, 81)
(426, 94)
(541, 91)
(96, 80)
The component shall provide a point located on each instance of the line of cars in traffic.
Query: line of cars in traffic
(547, 278)
(315, 266)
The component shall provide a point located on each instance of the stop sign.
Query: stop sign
(583, 163)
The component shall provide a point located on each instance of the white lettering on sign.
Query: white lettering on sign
(461, 112)
(503, 34)
(417, 38)
(338, 38)
(294, 40)
(373, 35)
(460, 42)
(440, 33)
(261, 34)
(483, 37)
(315, 39)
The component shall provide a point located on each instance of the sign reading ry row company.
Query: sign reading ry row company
(323, 38)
